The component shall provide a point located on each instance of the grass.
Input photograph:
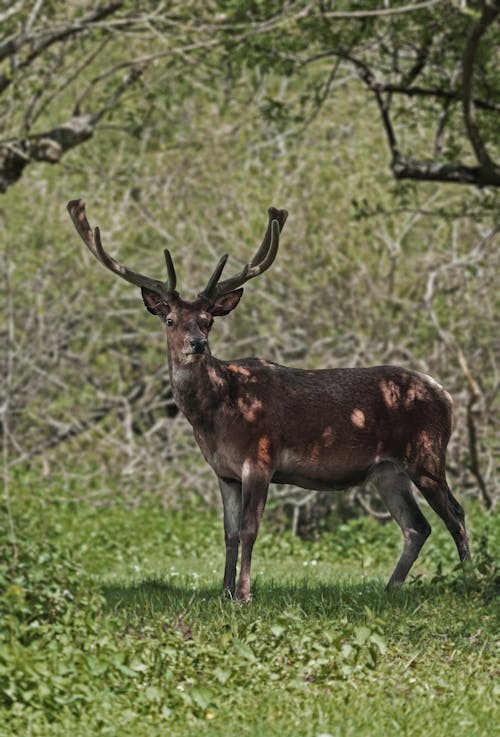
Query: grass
(113, 624)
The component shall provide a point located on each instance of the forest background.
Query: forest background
(377, 127)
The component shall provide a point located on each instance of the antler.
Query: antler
(260, 262)
(92, 240)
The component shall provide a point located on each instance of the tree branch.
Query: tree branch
(411, 91)
(486, 174)
(6, 14)
(474, 396)
(433, 171)
(379, 12)
(490, 10)
(52, 145)
(41, 41)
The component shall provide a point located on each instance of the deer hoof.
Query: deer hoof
(243, 597)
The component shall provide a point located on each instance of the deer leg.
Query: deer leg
(394, 487)
(255, 486)
(437, 493)
(232, 502)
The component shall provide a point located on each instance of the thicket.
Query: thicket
(187, 149)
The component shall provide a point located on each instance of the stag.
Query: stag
(257, 422)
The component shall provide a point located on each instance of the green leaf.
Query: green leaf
(153, 693)
(361, 635)
(201, 696)
(222, 675)
(379, 641)
(244, 650)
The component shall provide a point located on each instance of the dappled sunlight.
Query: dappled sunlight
(358, 418)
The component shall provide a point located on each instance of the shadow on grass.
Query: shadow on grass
(345, 598)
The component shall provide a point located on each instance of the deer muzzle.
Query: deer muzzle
(198, 345)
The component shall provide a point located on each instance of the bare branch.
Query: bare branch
(51, 146)
(407, 168)
(435, 93)
(11, 11)
(432, 171)
(42, 40)
(474, 396)
(33, 15)
(443, 119)
(75, 72)
(381, 12)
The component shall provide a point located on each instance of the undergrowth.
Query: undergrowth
(112, 623)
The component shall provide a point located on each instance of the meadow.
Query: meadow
(113, 623)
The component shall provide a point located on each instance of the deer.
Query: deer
(257, 422)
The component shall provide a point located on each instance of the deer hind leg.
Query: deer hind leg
(436, 491)
(232, 502)
(394, 486)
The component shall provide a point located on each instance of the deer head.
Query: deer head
(187, 323)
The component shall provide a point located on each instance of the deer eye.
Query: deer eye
(169, 321)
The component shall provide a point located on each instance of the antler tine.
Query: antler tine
(92, 240)
(274, 214)
(172, 278)
(264, 256)
(210, 291)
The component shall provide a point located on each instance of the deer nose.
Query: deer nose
(198, 344)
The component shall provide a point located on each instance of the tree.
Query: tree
(432, 68)
(65, 72)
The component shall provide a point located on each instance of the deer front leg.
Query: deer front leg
(255, 486)
(232, 502)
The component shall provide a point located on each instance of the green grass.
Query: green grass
(113, 624)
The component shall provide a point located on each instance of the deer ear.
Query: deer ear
(226, 303)
(154, 303)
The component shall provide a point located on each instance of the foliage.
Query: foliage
(369, 271)
(113, 622)
(431, 69)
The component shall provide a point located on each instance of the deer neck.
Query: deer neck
(198, 388)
